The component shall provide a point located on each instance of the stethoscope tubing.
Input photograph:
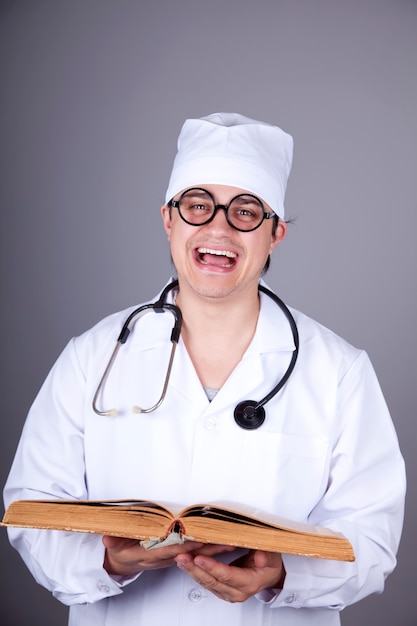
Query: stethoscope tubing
(296, 339)
(249, 414)
(160, 306)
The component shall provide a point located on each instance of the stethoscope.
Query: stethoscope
(249, 414)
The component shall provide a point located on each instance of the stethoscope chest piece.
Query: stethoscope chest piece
(249, 415)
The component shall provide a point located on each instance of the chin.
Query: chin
(214, 286)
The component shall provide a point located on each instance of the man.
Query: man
(326, 452)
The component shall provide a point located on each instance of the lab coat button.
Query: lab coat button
(103, 587)
(195, 595)
(290, 599)
(211, 423)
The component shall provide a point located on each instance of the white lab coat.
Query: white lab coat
(327, 453)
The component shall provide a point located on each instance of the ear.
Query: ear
(279, 235)
(166, 219)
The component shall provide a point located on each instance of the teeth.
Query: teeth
(227, 253)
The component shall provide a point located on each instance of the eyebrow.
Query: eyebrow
(197, 192)
(247, 198)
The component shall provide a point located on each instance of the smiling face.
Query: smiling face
(215, 260)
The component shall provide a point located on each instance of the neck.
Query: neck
(217, 332)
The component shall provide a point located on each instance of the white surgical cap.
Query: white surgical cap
(231, 149)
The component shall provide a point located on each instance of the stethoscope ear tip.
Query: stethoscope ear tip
(249, 415)
(109, 413)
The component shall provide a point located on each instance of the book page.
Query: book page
(221, 509)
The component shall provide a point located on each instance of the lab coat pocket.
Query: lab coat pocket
(282, 473)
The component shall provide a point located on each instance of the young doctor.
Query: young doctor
(322, 449)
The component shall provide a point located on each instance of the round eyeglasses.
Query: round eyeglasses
(244, 212)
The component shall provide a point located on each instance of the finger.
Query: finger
(213, 549)
(212, 575)
(266, 559)
(257, 559)
(208, 568)
(112, 543)
(227, 582)
(272, 567)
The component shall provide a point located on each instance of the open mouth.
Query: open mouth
(218, 258)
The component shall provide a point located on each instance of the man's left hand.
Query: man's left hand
(239, 580)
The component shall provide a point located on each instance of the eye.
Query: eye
(245, 212)
(199, 206)
(246, 209)
(196, 203)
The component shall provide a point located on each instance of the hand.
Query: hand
(238, 581)
(126, 557)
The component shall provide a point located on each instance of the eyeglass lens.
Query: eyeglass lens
(197, 206)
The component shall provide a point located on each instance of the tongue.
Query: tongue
(216, 259)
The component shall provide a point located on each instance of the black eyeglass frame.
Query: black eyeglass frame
(265, 215)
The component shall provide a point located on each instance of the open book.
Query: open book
(155, 523)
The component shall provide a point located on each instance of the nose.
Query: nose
(220, 210)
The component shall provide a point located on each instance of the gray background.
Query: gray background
(93, 94)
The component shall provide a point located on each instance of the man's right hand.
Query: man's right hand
(126, 557)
